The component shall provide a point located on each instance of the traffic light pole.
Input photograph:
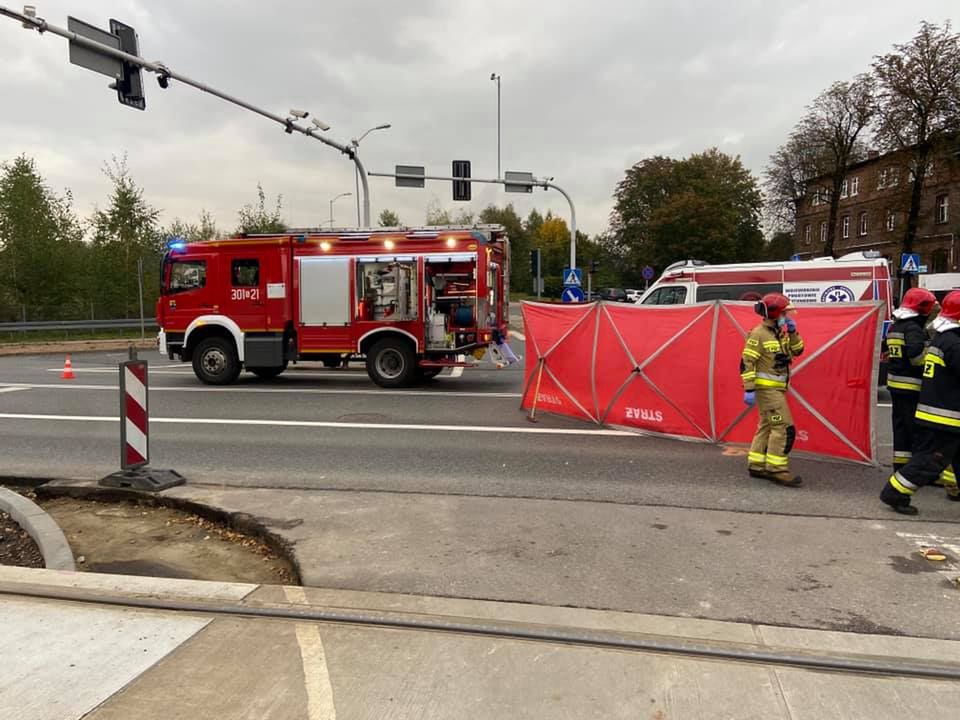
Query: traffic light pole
(535, 182)
(165, 74)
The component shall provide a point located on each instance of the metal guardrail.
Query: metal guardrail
(67, 325)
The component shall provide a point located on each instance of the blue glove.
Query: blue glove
(749, 398)
(791, 325)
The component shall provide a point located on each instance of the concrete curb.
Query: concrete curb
(238, 521)
(74, 347)
(42, 528)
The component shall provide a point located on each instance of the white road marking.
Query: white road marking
(13, 388)
(330, 425)
(518, 335)
(316, 676)
(274, 390)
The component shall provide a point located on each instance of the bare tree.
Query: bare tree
(918, 104)
(816, 155)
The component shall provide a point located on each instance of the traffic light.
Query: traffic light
(461, 189)
(535, 262)
(130, 85)
(594, 265)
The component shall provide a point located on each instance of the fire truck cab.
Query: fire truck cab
(409, 301)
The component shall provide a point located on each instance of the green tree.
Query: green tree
(705, 206)
(520, 279)
(123, 234)
(41, 252)
(780, 246)
(918, 105)
(388, 218)
(205, 229)
(256, 218)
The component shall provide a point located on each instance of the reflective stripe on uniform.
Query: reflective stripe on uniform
(904, 382)
(747, 376)
(902, 485)
(936, 359)
(939, 411)
(777, 460)
(796, 346)
(755, 457)
(937, 419)
(901, 456)
(897, 336)
(771, 381)
(771, 345)
(753, 354)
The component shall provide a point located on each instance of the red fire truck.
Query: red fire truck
(410, 301)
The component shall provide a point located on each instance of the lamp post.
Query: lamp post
(333, 200)
(356, 171)
(496, 78)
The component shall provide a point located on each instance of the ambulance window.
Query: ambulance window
(245, 273)
(668, 296)
(188, 275)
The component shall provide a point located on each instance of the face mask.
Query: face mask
(781, 321)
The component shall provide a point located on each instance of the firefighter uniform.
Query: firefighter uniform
(906, 345)
(937, 429)
(765, 370)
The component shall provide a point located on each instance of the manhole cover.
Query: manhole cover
(362, 418)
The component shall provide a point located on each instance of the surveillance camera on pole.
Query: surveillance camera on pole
(302, 114)
(320, 124)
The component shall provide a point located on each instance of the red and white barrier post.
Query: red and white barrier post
(135, 472)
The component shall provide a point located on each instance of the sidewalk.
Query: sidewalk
(823, 573)
(63, 659)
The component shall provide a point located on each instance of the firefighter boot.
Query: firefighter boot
(949, 481)
(897, 496)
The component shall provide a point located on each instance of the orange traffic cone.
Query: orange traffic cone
(68, 370)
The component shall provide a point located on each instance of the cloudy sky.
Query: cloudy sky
(588, 89)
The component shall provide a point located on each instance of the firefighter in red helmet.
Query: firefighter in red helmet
(906, 345)
(936, 440)
(765, 370)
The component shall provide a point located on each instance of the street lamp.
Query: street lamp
(333, 200)
(496, 78)
(356, 173)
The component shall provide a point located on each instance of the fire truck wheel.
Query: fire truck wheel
(391, 363)
(215, 361)
(267, 373)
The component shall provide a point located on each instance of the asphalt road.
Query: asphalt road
(558, 512)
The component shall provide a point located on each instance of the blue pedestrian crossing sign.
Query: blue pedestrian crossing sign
(909, 262)
(572, 294)
(572, 277)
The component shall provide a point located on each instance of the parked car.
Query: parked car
(633, 295)
(612, 294)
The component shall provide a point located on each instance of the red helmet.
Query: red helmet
(772, 305)
(919, 300)
(950, 307)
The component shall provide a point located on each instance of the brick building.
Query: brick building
(874, 203)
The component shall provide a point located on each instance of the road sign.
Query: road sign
(909, 262)
(522, 182)
(572, 277)
(794, 258)
(923, 269)
(648, 273)
(410, 170)
(130, 84)
(572, 294)
(91, 59)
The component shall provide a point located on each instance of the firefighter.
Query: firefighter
(936, 431)
(906, 345)
(765, 371)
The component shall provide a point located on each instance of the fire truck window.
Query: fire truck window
(245, 273)
(188, 275)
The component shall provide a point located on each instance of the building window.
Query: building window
(862, 225)
(806, 235)
(855, 187)
(891, 220)
(943, 208)
(816, 198)
(888, 178)
(845, 227)
(882, 178)
(823, 232)
(843, 189)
